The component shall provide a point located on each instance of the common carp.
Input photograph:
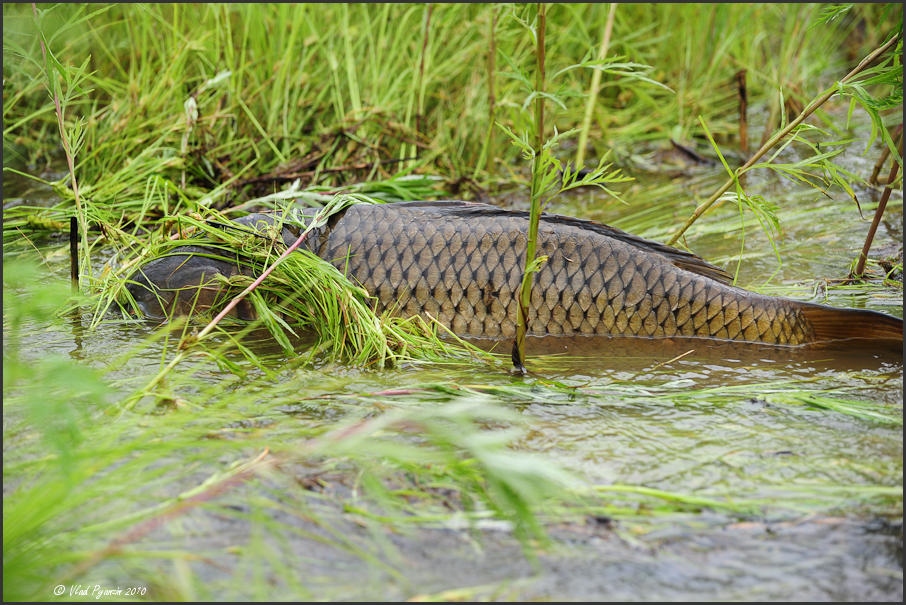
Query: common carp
(461, 263)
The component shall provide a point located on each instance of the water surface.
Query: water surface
(790, 494)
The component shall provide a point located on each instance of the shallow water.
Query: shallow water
(750, 426)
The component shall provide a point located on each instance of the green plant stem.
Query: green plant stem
(491, 156)
(70, 163)
(779, 136)
(594, 88)
(420, 106)
(525, 292)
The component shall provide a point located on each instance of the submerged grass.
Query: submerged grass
(792, 393)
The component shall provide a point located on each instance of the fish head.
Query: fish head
(187, 281)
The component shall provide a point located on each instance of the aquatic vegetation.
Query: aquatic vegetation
(260, 460)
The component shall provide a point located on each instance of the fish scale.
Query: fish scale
(461, 263)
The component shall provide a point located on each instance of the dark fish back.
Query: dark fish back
(462, 264)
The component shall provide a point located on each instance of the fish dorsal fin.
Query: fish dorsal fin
(697, 265)
(681, 259)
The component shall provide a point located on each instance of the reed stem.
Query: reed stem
(779, 136)
(594, 88)
(538, 167)
(491, 156)
(54, 88)
(879, 212)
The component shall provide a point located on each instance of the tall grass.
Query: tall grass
(175, 113)
(346, 85)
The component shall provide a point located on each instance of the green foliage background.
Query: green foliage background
(171, 109)
(339, 93)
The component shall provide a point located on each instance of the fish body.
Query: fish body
(461, 263)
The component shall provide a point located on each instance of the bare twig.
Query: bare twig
(882, 205)
(885, 153)
(743, 111)
(74, 253)
(180, 506)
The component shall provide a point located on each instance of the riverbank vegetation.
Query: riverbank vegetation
(144, 121)
(236, 104)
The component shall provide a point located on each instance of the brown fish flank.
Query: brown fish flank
(461, 263)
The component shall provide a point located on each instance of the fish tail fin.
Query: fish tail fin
(830, 324)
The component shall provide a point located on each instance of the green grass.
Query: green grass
(105, 476)
(275, 85)
(173, 114)
(98, 464)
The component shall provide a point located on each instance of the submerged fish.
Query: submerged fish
(461, 263)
